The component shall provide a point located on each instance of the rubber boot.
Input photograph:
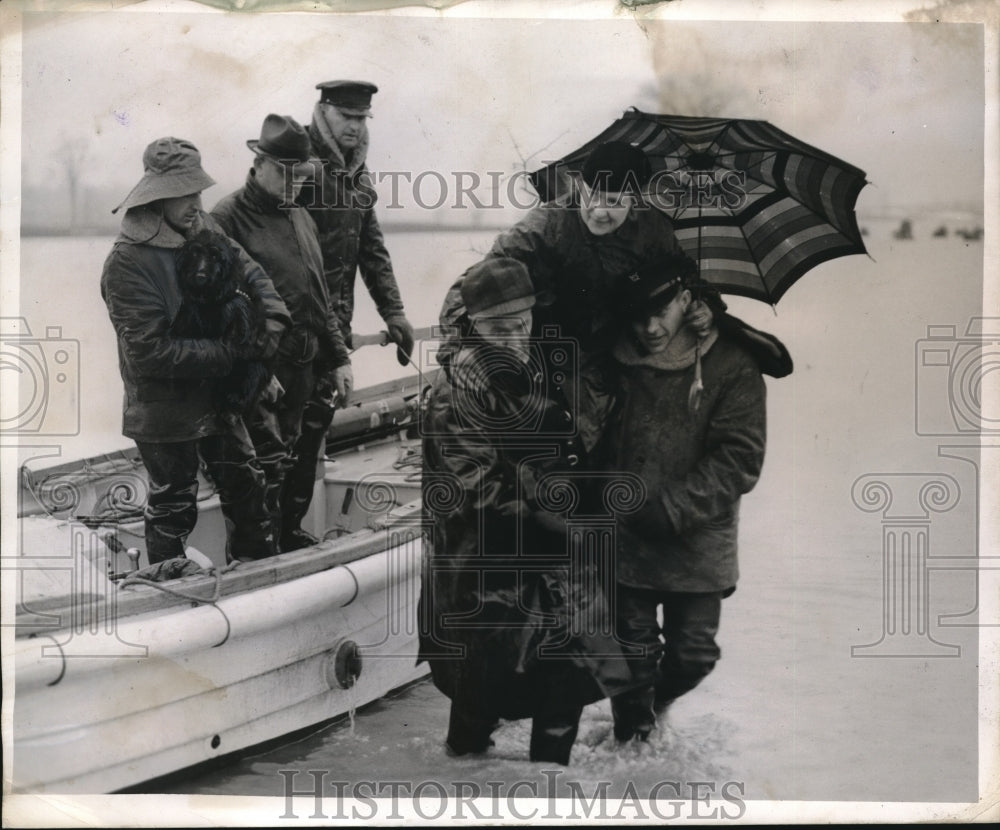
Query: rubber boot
(633, 714)
(300, 479)
(468, 733)
(553, 734)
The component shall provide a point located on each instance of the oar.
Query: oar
(381, 338)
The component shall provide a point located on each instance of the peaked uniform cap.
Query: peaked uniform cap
(172, 168)
(350, 97)
(653, 284)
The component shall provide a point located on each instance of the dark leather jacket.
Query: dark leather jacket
(283, 240)
(342, 204)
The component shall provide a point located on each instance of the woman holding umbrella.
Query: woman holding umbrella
(577, 247)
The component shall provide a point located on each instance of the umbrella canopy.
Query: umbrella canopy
(754, 206)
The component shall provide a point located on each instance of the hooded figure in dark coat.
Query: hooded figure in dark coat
(514, 624)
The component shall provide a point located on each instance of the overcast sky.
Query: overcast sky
(901, 101)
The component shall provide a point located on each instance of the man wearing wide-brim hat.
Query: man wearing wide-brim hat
(312, 359)
(169, 408)
(341, 200)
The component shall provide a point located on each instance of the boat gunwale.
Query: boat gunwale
(249, 575)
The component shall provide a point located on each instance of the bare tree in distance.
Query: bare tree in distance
(72, 155)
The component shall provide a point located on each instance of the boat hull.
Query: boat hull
(116, 686)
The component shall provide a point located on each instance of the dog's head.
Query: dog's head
(208, 268)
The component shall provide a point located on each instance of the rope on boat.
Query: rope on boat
(133, 579)
(411, 457)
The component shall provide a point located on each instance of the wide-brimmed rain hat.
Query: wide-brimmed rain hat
(497, 286)
(282, 137)
(172, 168)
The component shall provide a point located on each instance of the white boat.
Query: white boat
(119, 683)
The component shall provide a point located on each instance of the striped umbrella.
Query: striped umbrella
(754, 206)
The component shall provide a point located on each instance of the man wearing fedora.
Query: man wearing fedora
(341, 200)
(169, 407)
(312, 358)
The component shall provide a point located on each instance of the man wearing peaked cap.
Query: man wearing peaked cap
(352, 98)
(691, 424)
(312, 358)
(169, 407)
(341, 200)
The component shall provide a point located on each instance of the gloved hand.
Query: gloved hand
(267, 342)
(401, 333)
(343, 379)
(699, 317)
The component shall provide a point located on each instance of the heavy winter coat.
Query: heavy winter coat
(497, 559)
(695, 465)
(283, 239)
(169, 381)
(574, 272)
(342, 203)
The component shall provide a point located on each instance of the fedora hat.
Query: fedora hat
(282, 137)
(172, 168)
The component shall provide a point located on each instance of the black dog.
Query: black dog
(217, 304)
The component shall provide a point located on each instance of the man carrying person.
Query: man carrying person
(341, 200)
(169, 408)
(312, 361)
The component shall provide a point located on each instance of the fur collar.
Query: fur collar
(629, 352)
(329, 150)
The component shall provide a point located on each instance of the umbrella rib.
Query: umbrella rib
(758, 180)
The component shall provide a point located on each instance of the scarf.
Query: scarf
(626, 351)
(332, 151)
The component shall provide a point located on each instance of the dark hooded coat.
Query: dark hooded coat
(502, 597)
